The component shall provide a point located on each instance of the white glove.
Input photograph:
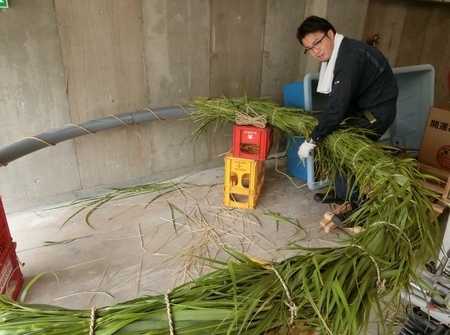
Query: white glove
(306, 150)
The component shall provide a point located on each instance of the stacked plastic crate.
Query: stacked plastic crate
(11, 278)
(245, 165)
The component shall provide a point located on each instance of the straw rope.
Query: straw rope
(169, 314)
(380, 283)
(301, 120)
(118, 118)
(259, 121)
(184, 110)
(92, 326)
(218, 109)
(148, 109)
(337, 140)
(287, 176)
(291, 304)
(376, 166)
(398, 228)
(357, 153)
(39, 140)
(273, 114)
(81, 127)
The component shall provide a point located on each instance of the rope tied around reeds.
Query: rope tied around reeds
(380, 283)
(357, 153)
(242, 118)
(92, 325)
(291, 304)
(396, 227)
(218, 107)
(169, 313)
(273, 114)
(337, 140)
(376, 166)
(301, 121)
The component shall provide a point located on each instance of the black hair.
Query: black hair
(313, 24)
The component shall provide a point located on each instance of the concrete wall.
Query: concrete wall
(414, 32)
(69, 61)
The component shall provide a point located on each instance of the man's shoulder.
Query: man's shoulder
(358, 49)
(352, 43)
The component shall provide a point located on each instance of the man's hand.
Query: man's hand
(306, 150)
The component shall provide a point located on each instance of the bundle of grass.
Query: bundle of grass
(330, 289)
(333, 290)
(396, 196)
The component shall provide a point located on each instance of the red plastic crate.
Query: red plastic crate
(252, 142)
(3, 222)
(11, 278)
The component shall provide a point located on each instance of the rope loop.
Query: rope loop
(357, 153)
(291, 304)
(273, 114)
(337, 140)
(92, 325)
(169, 314)
(380, 283)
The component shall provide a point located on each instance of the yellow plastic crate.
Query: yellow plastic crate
(243, 180)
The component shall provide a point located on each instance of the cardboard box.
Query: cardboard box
(435, 147)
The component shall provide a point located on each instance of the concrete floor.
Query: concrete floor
(132, 249)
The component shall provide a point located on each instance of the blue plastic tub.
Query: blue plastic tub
(295, 167)
(303, 170)
(293, 95)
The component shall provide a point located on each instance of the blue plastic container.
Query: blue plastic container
(295, 167)
(294, 95)
(302, 95)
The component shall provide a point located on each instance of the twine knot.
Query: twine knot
(259, 121)
(291, 304)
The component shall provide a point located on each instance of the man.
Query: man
(362, 87)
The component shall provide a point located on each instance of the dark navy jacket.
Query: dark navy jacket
(362, 80)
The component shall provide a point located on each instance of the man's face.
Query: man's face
(319, 45)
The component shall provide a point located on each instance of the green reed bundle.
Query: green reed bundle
(332, 290)
(222, 110)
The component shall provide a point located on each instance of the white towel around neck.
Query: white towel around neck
(327, 68)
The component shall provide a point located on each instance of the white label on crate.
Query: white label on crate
(5, 274)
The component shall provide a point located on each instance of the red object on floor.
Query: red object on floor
(252, 142)
(11, 278)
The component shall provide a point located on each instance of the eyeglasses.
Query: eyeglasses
(315, 45)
